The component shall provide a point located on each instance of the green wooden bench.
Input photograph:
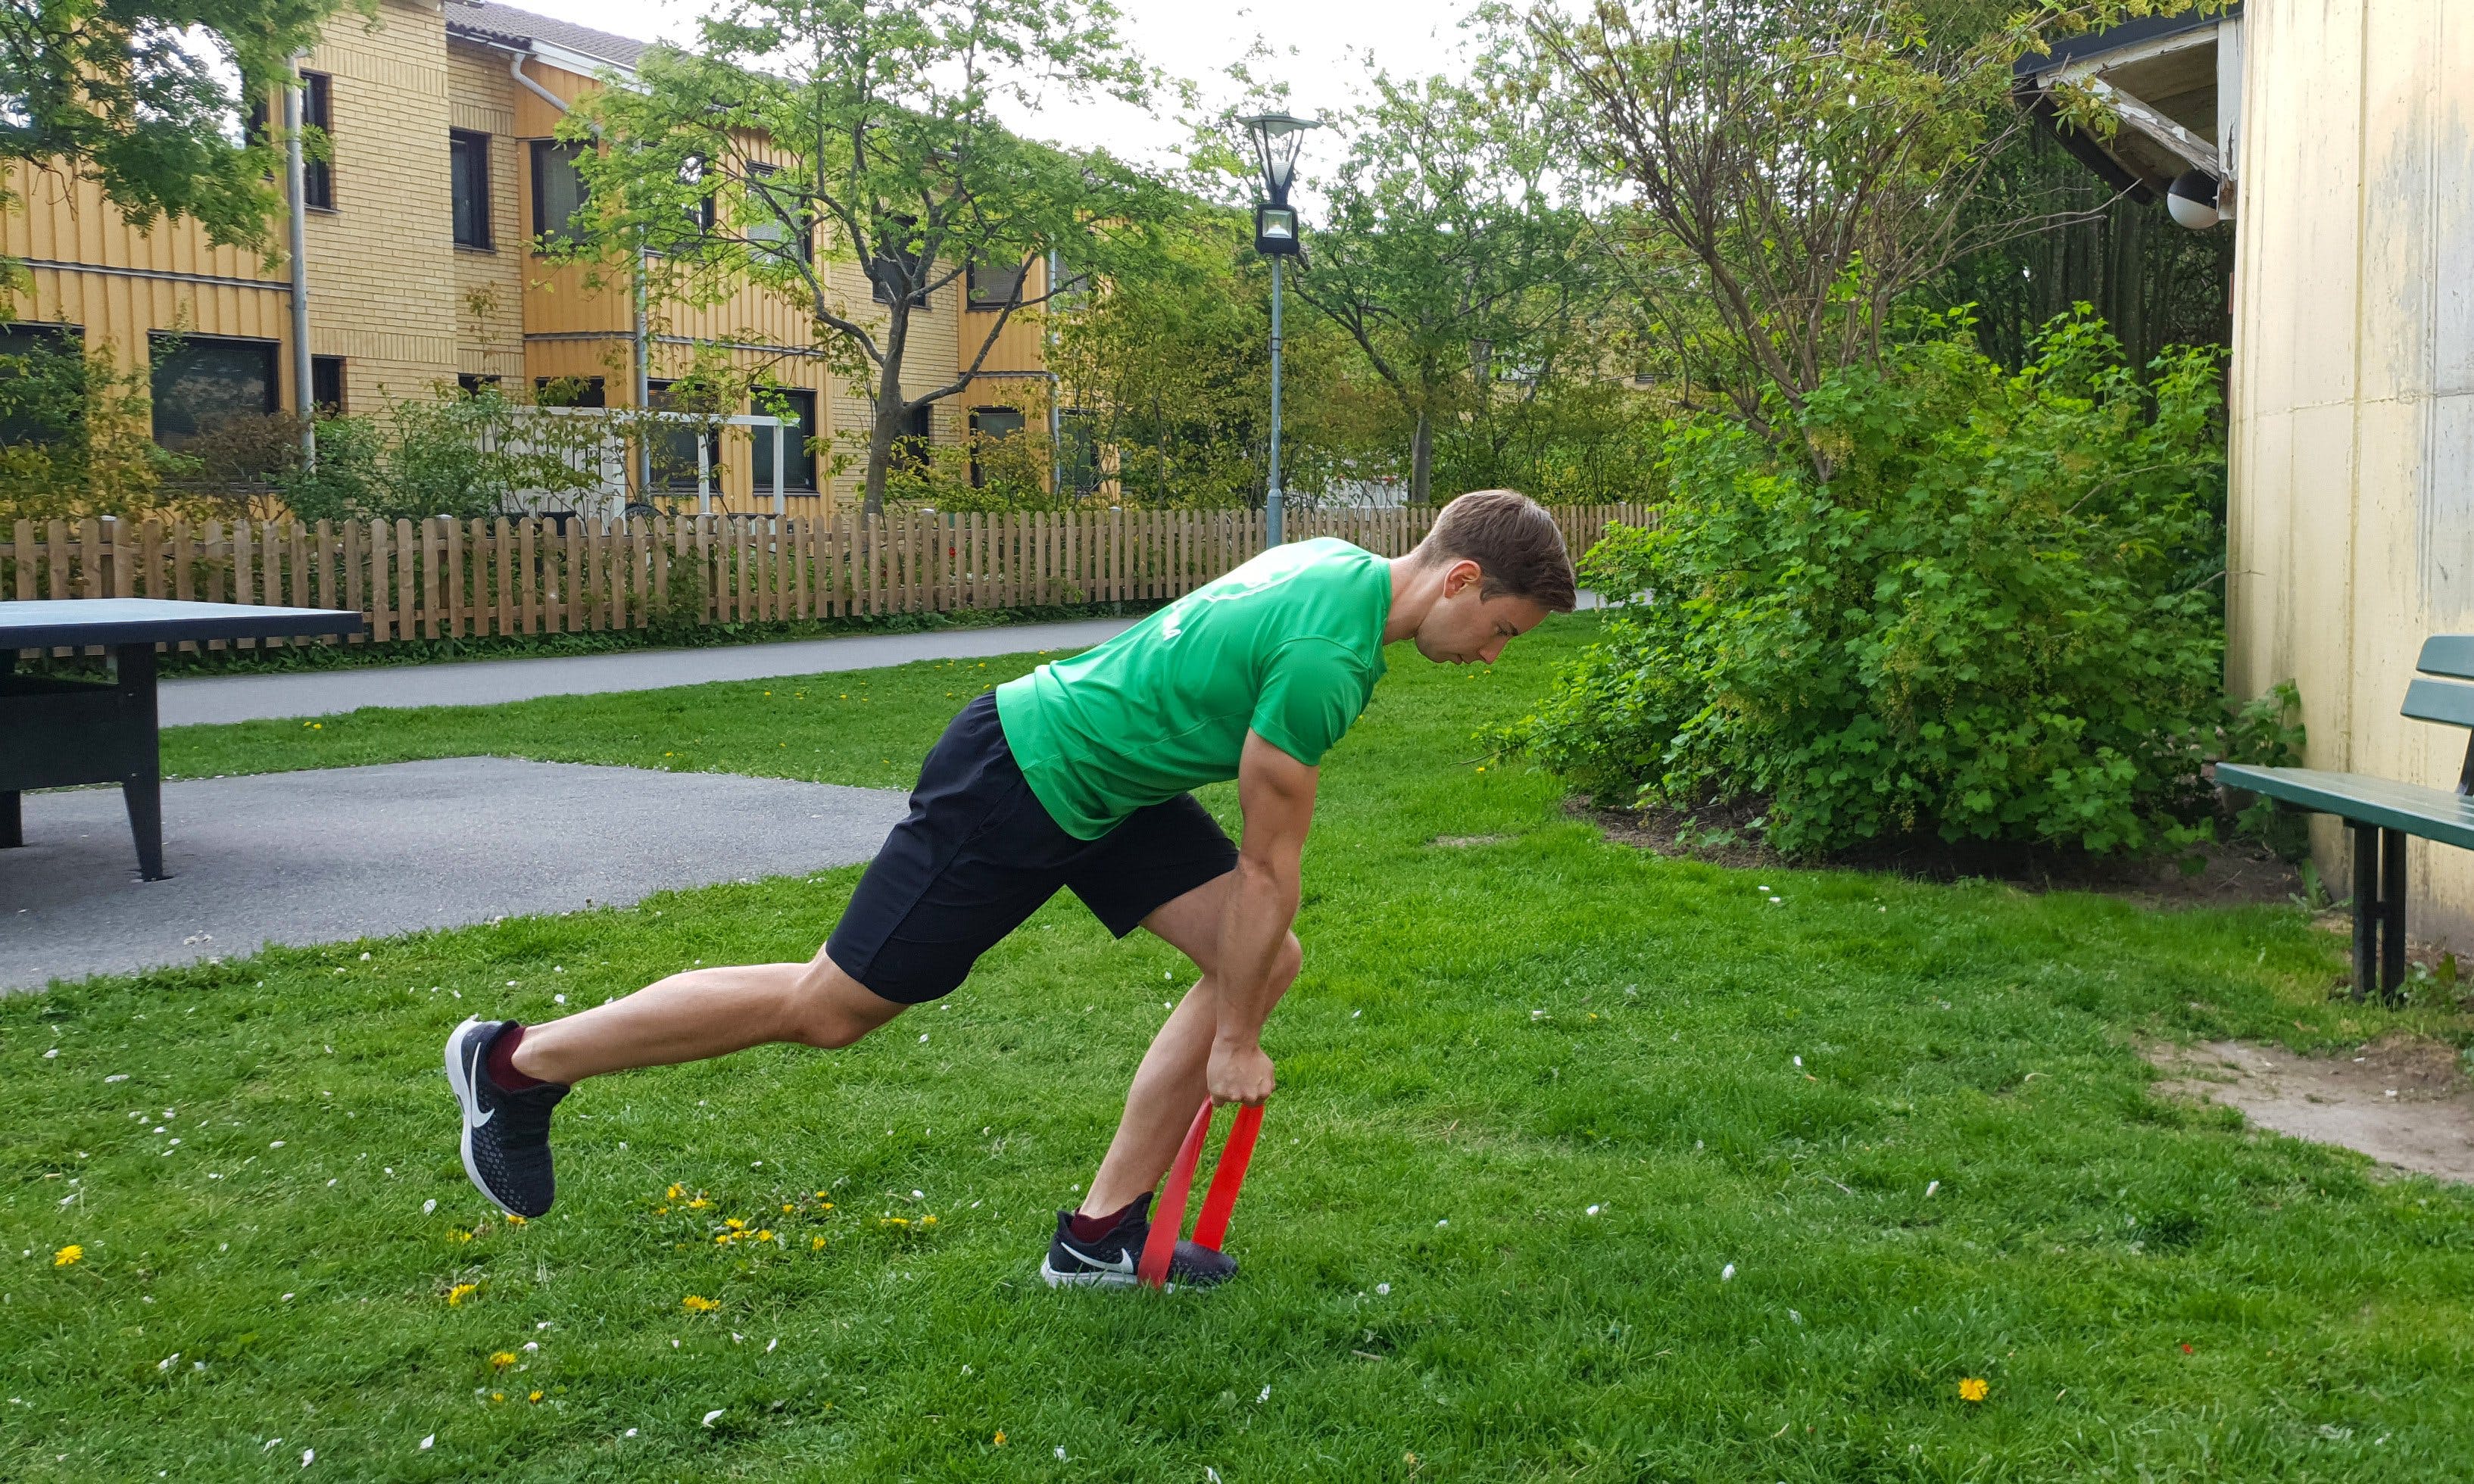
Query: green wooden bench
(2382, 813)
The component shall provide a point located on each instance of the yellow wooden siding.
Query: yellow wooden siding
(2352, 519)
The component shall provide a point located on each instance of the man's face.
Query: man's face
(1464, 628)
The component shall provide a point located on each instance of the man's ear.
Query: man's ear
(1460, 576)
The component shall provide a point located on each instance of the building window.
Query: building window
(326, 384)
(778, 217)
(202, 381)
(896, 265)
(796, 407)
(471, 385)
(569, 392)
(993, 287)
(674, 446)
(467, 168)
(42, 382)
(1077, 430)
(912, 445)
(990, 424)
(559, 195)
(317, 111)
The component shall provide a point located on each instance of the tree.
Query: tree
(1814, 159)
(146, 100)
(1169, 365)
(1448, 256)
(804, 132)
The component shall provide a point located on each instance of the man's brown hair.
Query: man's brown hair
(1516, 544)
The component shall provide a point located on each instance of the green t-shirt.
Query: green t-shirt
(1289, 646)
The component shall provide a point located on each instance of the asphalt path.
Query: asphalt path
(221, 699)
(342, 853)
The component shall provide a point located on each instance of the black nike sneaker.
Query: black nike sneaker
(1109, 1261)
(506, 1134)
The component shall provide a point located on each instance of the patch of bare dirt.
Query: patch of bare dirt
(1465, 842)
(2402, 1099)
(2230, 873)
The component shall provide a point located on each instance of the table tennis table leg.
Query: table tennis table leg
(141, 790)
(12, 820)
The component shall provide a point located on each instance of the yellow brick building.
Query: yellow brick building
(421, 269)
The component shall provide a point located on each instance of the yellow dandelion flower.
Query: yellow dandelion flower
(927, 1221)
(674, 1193)
(785, 1205)
(893, 1221)
(764, 1236)
(461, 1236)
(1972, 1389)
(721, 1238)
(502, 1360)
(535, 1396)
(698, 1203)
(736, 1225)
(661, 1210)
(497, 1396)
(816, 1244)
(697, 1305)
(73, 1252)
(460, 1292)
(1000, 1439)
(514, 1219)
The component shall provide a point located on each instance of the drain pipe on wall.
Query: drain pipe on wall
(643, 390)
(296, 178)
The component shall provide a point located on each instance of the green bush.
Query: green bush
(1998, 617)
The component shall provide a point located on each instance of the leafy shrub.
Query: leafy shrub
(458, 453)
(73, 434)
(1998, 617)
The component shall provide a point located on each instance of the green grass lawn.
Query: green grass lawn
(1539, 1095)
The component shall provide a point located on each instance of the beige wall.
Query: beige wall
(2352, 520)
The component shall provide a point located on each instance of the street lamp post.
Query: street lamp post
(1276, 138)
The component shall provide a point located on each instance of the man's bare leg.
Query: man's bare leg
(707, 1013)
(1170, 1083)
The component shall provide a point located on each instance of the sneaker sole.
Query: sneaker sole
(1097, 1278)
(1105, 1279)
(463, 1086)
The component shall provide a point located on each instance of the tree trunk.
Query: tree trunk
(1421, 461)
(888, 426)
(891, 408)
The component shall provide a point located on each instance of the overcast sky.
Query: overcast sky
(1320, 49)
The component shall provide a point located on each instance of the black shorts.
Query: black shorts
(978, 854)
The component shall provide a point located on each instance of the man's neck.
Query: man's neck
(1414, 588)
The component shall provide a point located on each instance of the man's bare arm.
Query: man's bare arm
(1277, 793)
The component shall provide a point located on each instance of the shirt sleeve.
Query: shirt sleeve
(1311, 694)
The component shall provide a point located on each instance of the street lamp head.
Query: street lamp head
(1277, 139)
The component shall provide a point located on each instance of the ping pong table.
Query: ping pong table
(56, 733)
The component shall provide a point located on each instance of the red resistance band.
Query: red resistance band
(1227, 1178)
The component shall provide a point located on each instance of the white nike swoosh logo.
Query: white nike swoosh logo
(1120, 1265)
(471, 1077)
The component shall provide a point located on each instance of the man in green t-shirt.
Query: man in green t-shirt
(1078, 775)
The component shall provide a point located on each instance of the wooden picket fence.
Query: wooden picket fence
(444, 578)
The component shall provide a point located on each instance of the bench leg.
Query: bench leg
(2366, 907)
(2392, 914)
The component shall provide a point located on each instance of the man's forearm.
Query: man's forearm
(1257, 923)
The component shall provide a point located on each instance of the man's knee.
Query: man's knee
(829, 1009)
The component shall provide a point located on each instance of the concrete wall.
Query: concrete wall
(2352, 523)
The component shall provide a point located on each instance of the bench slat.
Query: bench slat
(2438, 700)
(2447, 654)
(2433, 813)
